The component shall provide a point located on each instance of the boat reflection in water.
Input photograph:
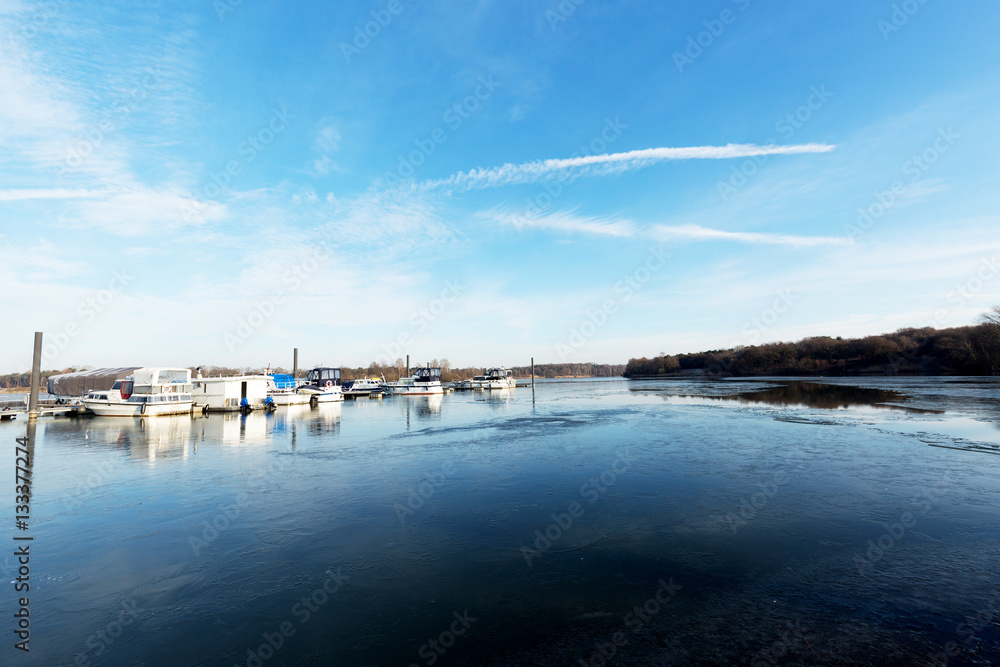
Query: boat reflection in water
(496, 397)
(325, 417)
(420, 408)
(232, 428)
(166, 437)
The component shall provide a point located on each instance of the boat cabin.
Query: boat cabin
(427, 375)
(323, 377)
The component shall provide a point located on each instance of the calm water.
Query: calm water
(658, 522)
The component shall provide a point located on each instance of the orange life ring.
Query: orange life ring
(329, 383)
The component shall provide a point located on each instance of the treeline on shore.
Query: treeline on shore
(390, 372)
(23, 380)
(968, 350)
(448, 374)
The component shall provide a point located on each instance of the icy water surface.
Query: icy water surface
(847, 521)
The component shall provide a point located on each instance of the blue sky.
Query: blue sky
(217, 183)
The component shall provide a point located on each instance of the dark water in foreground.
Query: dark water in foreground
(658, 522)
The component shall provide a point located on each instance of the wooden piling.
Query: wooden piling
(36, 373)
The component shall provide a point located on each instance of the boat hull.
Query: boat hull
(126, 409)
(414, 390)
(289, 399)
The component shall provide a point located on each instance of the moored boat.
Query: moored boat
(500, 378)
(423, 382)
(282, 390)
(323, 385)
(241, 393)
(364, 387)
(148, 392)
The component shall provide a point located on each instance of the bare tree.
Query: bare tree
(991, 316)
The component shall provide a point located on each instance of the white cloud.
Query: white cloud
(599, 165)
(699, 233)
(567, 221)
(328, 138)
(143, 211)
(564, 221)
(51, 193)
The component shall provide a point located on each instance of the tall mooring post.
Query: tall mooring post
(295, 362)
(36, 372)
(407, 366)
(532, 374)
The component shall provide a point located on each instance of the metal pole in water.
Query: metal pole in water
(36, 371)
(295, 362)
(532, 374)
(407, 365)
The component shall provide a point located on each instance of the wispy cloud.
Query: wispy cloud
(564, 221)
(51, 193)
(599, 165)
(568, 221)
(699, 233)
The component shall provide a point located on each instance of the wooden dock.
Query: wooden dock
(43, 411)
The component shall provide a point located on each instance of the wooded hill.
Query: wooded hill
(969, 350)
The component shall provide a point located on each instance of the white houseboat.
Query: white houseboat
(148, 392)
(238, 393)
(423, 382)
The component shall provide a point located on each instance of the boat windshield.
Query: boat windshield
(427, 374)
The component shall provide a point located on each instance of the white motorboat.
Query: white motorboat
(364, 387)
(148, 392)
(113, 395)
(495, 378)
(423, 382)
(282, 390)
(238, 393)
(322, 385)
(500, 378)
